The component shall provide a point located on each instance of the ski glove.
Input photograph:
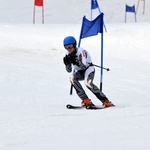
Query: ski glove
(74, 60)
(66, 60)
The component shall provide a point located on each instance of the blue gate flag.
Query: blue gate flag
(91, 28)
(130, 8)
(94, 4)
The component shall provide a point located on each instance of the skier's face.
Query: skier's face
(70, 48)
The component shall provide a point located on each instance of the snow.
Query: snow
(34, 86)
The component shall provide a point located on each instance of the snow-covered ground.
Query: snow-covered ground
(34, 86)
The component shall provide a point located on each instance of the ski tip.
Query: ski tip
(68, 106)
(74, 107)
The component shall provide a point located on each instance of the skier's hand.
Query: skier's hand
(66, 60)
(73, 59)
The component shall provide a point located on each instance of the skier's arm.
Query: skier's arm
(67, 63)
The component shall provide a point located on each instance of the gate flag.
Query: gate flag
(138, 6)
(91, 28)
(94, 4)
(130, 9)
(38, 3)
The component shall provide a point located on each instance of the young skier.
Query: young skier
(81, 61)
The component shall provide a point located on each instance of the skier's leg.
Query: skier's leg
(79, 89)
(76, 84)
(89, 76)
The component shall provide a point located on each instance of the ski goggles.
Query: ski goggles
(69, 47)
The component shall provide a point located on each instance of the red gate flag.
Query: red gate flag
(143, 6)
(38, 2)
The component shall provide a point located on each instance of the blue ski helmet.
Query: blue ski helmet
(70, 40)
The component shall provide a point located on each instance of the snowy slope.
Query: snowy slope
(34, 86)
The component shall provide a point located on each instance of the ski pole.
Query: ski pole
(99, 66)
(71, 89)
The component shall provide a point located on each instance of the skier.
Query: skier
(80, 59)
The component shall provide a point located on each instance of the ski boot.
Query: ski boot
(87, 102)
(107, 103)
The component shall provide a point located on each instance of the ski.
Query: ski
(69, 106)
(97, 107)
